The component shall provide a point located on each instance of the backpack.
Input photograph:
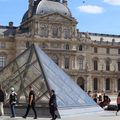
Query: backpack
(13, 98)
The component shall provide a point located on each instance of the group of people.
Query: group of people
(100, 98)
(31, 103)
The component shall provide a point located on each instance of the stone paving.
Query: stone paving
(105, 115)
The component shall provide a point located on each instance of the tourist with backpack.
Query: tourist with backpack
(13, 100)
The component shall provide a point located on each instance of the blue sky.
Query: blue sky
(98, 16)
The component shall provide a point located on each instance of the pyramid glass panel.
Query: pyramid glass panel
(69, 94)
(21, 73)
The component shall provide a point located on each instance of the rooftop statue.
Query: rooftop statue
(55, 0)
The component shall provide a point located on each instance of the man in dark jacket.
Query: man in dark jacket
(31, 103)
(2, 97)
(53, 105)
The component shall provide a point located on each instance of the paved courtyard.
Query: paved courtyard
(104, 115)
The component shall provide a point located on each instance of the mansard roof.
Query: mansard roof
(45, 7)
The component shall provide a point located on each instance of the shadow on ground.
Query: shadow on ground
(42, 112)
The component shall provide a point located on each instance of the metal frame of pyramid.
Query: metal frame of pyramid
(34, 67)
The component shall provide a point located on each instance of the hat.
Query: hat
(12, 89)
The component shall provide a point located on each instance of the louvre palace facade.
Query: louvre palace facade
(89, 58)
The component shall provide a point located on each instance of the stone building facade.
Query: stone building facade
(92, 61)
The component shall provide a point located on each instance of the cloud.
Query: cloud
(92, 9)
(113, 2)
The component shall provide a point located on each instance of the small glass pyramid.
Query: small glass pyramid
(34, 67)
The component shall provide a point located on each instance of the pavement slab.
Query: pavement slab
(105, 115)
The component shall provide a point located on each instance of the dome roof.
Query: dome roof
(46, 7)
(25, 16)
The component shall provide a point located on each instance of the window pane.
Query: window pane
(80, 64)
(118, 66)
(107, 50)
(2, 61)
(108, 84)
(95, 84)
(95, 50)
(118, 84)
(95, 65)
(107, 65)
(118, 51)
(80, 48)
(67, 63)
(67, 47)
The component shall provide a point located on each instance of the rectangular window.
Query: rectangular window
(2, 45)
(107, 84)
(107, 66)
(2, 62)
(118, 66)
(95, 65)
(80, 64)
(95, 84)
(118, 84)
(107, 50)
(95, 50)
(119, 51)
(66, 63)
(66, 33)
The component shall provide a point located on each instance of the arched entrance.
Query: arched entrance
(80, 82)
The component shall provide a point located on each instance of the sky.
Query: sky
(96, 16)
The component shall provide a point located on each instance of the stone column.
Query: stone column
(86, 83)
(102, 84)
(62, 62)
(89, 83)
(114, 84)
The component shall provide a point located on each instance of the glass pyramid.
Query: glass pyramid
(34, 67)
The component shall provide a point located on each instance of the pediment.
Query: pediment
(56, 17)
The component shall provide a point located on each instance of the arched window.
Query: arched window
(55, 59)
(67, 47)
(2, 61)
(81, 82)
(95, 84)
(107, 84)
(95, 64)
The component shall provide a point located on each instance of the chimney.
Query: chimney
(10, 24)
(64, 2)
(30, 7)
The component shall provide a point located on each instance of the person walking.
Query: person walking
(118, 103)
(13, 100)
(2, 97)
(53, 105)
(31, 103)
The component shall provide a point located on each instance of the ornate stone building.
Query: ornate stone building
(92, 61)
